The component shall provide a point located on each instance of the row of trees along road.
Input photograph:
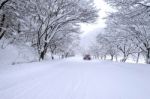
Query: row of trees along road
(128, 30)
(47, 25)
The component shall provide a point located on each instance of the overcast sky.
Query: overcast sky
(100, 23)
(91, 30)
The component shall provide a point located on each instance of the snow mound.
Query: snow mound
(12, 54)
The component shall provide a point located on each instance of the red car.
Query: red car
(87, 57)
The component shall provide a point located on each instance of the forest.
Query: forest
(45, 25)
(127, 32)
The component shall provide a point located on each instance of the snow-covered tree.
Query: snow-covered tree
(11, 17)
(131, 20)
(52, 16)
(44, 24)
(108, 46)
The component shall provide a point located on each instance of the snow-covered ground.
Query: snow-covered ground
(75, 79)
(13, 54)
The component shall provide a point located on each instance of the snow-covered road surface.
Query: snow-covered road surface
(75, 79)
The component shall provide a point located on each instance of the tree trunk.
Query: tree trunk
(2, 35)
(1, 26)
(66, 55)
(62, 56)
(112, 57)
(116, 58)
(43, 53)
(52, 57)
(105, 57)
(138, 56)
(45, 47)
(124, 58)
(148, 56)
(101, 57)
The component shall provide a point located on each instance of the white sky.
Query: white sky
(104, 8)
(91, 30)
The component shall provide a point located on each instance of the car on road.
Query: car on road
(87, 57)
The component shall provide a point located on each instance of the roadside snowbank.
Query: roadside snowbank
(12, 54)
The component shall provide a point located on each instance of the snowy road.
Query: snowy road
(75, 79)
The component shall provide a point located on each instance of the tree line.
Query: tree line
(127, 32)
(45, 25)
